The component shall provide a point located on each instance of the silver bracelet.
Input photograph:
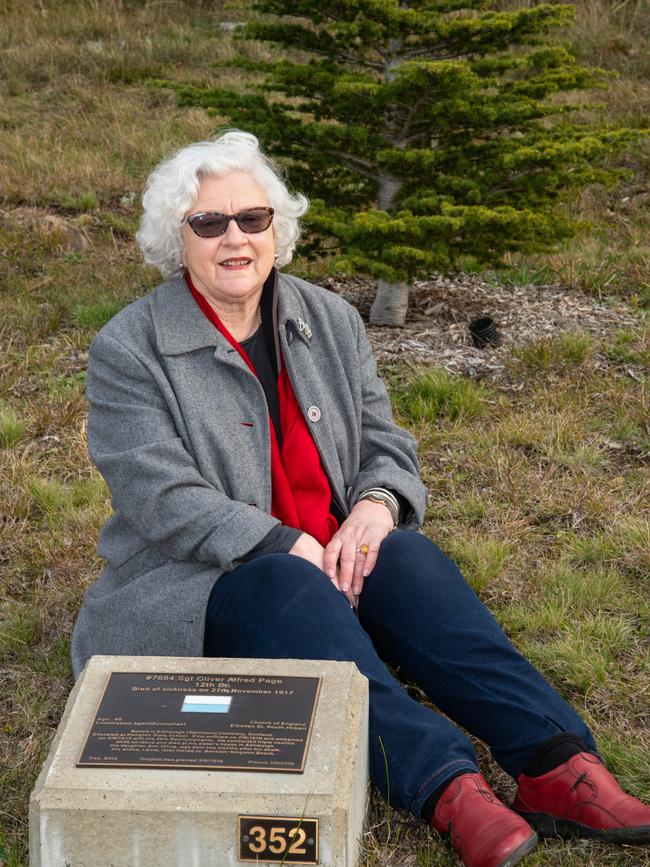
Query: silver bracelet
(386, 497)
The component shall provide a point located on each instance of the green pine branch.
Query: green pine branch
(424, 131)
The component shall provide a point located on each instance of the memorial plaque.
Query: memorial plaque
(116, 810)
(203, 721)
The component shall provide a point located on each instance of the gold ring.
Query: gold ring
(363, 549)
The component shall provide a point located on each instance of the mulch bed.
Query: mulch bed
(441, 308)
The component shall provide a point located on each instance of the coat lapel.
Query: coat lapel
(181, 326)
(179, 323)
(310, 382)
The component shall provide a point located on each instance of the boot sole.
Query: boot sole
(549, 826)
(516, 856)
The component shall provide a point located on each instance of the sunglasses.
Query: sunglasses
(211, 224)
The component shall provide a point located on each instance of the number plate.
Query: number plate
(278, 839)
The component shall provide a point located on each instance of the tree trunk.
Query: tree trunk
(392, 299)
(390, 304)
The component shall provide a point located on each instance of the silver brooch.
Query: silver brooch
(303, 329)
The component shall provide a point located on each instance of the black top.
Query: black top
(261, 349)
(257, 350)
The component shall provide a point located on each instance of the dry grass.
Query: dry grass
(613, 255)
(539, 485)
(78, 125)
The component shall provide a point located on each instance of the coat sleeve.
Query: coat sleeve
(154, 482)
(388, 452)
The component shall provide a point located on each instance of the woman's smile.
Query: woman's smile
(235, 264)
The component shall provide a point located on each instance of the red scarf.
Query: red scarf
(301, 493)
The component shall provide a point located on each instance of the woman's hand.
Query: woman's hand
(367, 524)
(310, 549)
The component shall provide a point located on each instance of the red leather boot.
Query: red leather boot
(582, 799)
(482, 830)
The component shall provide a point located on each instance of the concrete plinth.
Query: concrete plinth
(146, 817)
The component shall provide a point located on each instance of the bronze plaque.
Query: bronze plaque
(203, 721)
(277, 839)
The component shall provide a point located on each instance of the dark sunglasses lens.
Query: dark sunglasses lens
(213, 224)
(208, 225)
(255, 220)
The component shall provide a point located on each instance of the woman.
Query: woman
(248, 444)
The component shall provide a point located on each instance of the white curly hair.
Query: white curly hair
(173, 186)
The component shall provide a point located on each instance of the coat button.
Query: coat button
(313, 413)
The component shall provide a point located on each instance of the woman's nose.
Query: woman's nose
(233, 234)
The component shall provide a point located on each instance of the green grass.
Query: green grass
(83, 201)
(592, 591)
(12, 428)
(483, 560)
(626, 347)
(562, 352)
(21, 630)
(10, 854)
(538, 482)
(580, 654)
(93, 316)
(436, 394)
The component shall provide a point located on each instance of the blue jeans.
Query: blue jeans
(417, 611)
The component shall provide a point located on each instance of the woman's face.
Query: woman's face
(231, 268)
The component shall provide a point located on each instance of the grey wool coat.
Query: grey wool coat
(178, 427)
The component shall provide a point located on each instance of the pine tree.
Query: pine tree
(426, 132)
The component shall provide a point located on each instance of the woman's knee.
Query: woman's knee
(410, 564)
(283, 603)
(278, 578)
(410, 552)
(404, 542)
(282, 568)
